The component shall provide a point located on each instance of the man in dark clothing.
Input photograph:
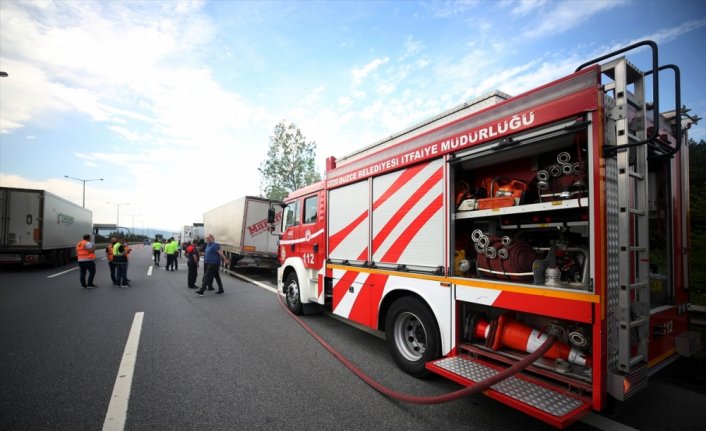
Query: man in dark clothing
(109, 255)
(192, 262)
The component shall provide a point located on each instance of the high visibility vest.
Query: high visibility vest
(109, 252)
(157, 246)
(116, 251)
(84, 253)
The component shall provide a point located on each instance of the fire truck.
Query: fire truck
(471, 238)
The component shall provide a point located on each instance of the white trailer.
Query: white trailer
(39, 227)
(186, 234)
(242, 230)
(197, 233)
(190, 233)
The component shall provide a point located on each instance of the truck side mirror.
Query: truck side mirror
(270, 215)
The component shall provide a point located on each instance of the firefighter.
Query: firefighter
(192, 263)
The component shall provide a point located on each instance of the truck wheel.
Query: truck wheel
(412, 335)
(292, 293)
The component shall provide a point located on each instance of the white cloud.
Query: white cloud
(666, 35)
(447, 9)
(524, 7)
(134, 67)
(565, 15)
(359, 74)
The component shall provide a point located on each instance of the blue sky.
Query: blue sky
(173, 103)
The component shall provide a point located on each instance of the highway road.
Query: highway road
(230, 362)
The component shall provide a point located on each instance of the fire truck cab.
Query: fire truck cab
(470, 237)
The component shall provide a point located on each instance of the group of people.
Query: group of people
(171, 249)
(118, 252)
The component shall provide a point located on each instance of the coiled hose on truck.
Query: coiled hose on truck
(436, 399)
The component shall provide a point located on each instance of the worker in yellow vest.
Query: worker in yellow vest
(120, 262)
(128, 250)
(171, 250)
(86, 256)
(109, 256)
(156, 251)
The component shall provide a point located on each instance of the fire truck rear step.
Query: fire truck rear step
(548, 404)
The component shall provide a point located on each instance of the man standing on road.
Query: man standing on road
(128, 250)
(120, 262)
(170, 250)
(177, 254)
(192, 263)
(156, 251)
(109, 255)
(86, 256)
(212, 264)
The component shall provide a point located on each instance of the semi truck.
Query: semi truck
(242, 229)
(38, 227)
(192, 232)
(557, 217)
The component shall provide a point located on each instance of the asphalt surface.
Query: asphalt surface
(235, 361)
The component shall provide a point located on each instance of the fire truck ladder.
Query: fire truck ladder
(628, 285)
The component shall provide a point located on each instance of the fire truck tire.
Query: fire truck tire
(292, 293)
(412, 335)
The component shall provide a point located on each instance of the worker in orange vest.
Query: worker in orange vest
(86, 256)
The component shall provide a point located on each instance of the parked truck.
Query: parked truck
(192, 232)
(38, 227)
(241, 228)
(186, 234)
(557, 217)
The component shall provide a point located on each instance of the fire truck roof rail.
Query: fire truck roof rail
(473, 105)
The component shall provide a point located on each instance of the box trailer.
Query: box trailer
(242, 230)
(38, 227)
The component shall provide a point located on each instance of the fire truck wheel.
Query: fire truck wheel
(291, 292)
(412, 335)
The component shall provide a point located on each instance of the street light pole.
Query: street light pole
(133, 222)
(84, 185)
(117, 222)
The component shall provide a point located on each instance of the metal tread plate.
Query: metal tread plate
(539, 397)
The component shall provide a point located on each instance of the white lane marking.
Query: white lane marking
(63, 272)
(117, 409)
(605, 424)
(255, 282)
(149, 271)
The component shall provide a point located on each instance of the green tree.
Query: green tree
(290, 163)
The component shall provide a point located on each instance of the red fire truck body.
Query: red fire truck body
(467, 237)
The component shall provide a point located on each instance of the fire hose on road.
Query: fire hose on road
(437, 399)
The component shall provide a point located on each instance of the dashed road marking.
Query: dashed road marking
(63, 272)
(117, 409)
